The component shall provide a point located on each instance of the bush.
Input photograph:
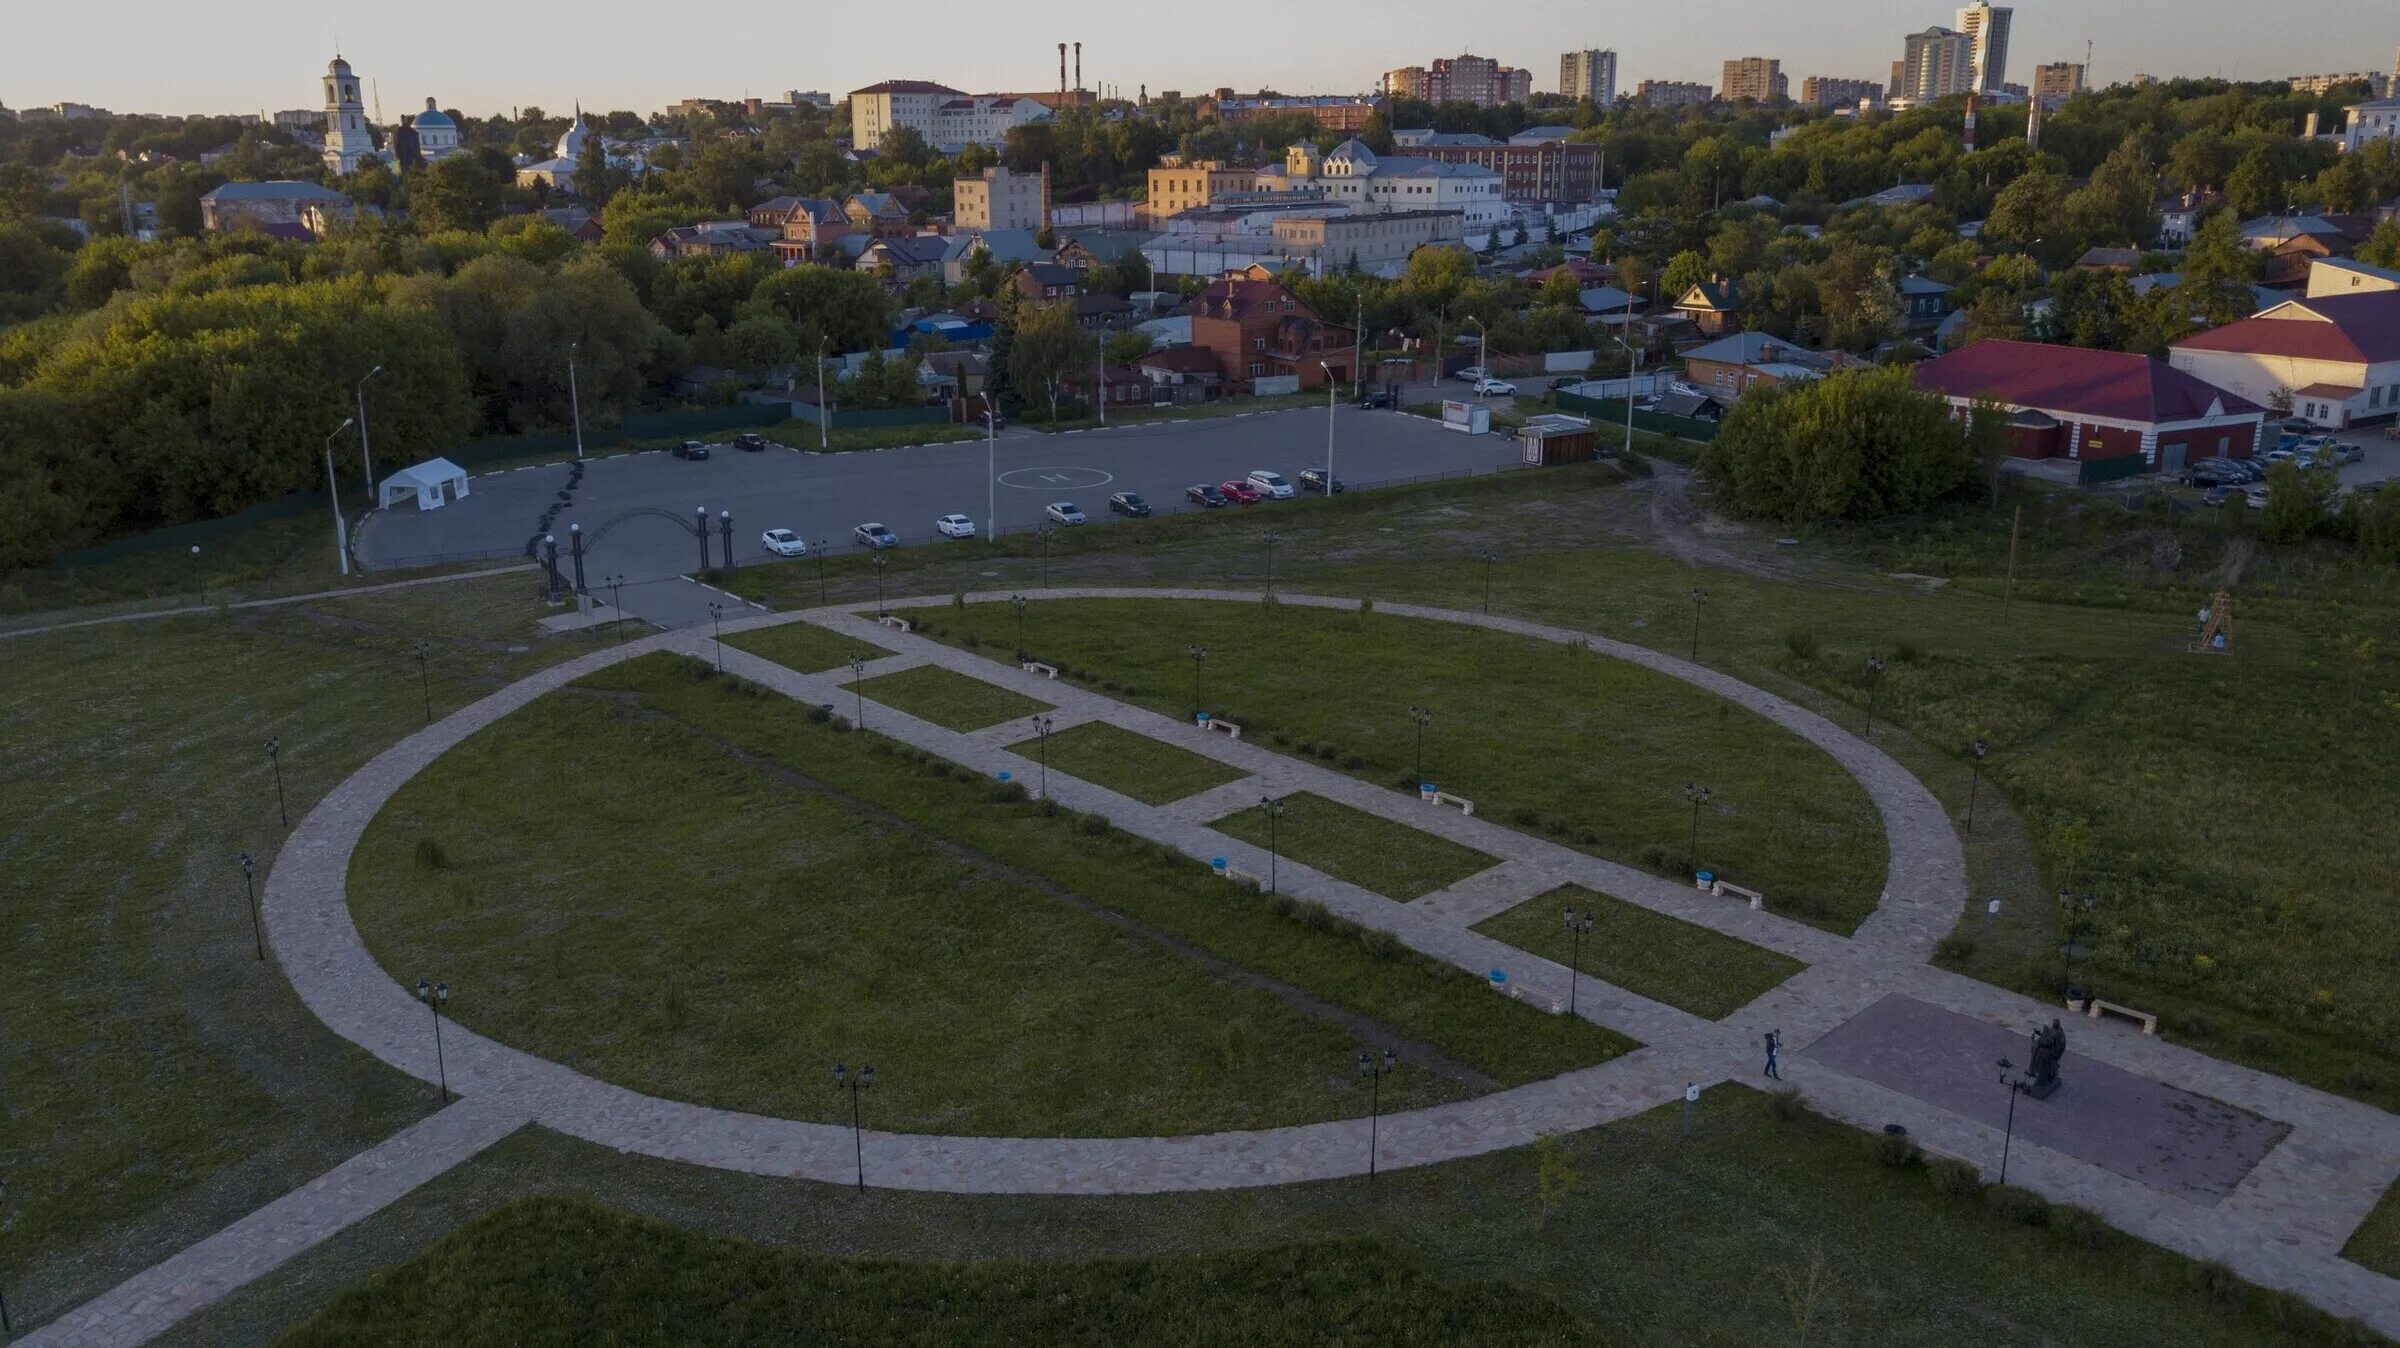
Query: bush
(1908, 653)
(1006, 793)
(2023, 1206)
(1307, 748)
(1896, 1151)
(1047, 807)
(1801, 642)
(1956, 1178)
(1281, 905)
(1954, 949)
(2081, 1227)
(1525, 817)
(1366, 606)
(819, 715)
(1313, 916)
(1096, 826)
(1381, 944)
(971, 641)
(2216, 1279)
(2361, 1080)
(1353, 761)
(1783, 1105)
(431, 855)
(1327, 752)
(1406, 781)
(941, 770)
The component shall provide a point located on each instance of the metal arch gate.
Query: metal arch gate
(543, 548)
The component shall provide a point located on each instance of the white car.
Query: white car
(1268, 483)
(783, 543)
(1493, 387)
(875, 537)
(1065, 512)
(954, 526)
(1474, 374)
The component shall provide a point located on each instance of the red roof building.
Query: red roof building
(2116, 413)
(1259, 330)
(2336, 358)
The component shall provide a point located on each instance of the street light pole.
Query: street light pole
(258, 936)
(1199, 655)
(1699, 596)
(433, 995)
(843, 1081)
(2008, 1135)
(1375, 1072)
(1329, 392)
(341, 527)
(1483, 359)
(991, 470)
(1045, 533)
(366, 455)
(1579, 925)
(716, 639)
(821, 600)
(1017, 602)
(1268, 538)
(1272, 808)
(425, 677)
(2076, 919)
(824, 400)
(858, 680)
(1874, 681)
(1041, 730)
(575, 397)
(1490, 559)
(1422, 717)
(1974, 780)
(1697, 796)
(275, 761)
(878, 562)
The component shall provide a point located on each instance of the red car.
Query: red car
(1239, 492)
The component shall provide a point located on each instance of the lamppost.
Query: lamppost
(258, 935)
(1017, 602)
(824, 400)
(425, 676)
(433, 995)
(991, 469)
(1874, 681)
(1272, 808)
(366, 455)
(275, 761)
(1483, 359)
(1045, 533)
(1974, 780)
(858, 681)
(1489, 559)
(5, 1327)
(341, 527)
(575, 397)
(616, 600)
(1199, 655)
(1697, 796)
(843, 1081)
(820, 551)
(1421, 717)
(1041, 731)
(1699, 597)
(716, 640)
(2075, 912)
(1375, 1072)
(2008, 1135)
(1579, 925)
(879, 563)
(1269, 539)
(1330, 389)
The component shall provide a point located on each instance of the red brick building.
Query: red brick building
(1257, 329)
(2116, 413)
(1534, 166)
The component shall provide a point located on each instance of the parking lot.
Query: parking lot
(636, 510)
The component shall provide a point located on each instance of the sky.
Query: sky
(174, 56)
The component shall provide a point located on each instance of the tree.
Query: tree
(2256, 187)
(1856, 445)
(2346, 186)
(2029, 215)
(1684, 270)
(456, 192)
(1124, 348)
(849, 310)
(2382, 249)
(2117, 206)
(1995, 315)
(1048, 346)
(2299, 502)
(2218, 271)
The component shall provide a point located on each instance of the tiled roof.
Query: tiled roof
(1238, 298)
(273, 191)
(1756, 348)
(2359, 328)
(905, 87)
(2116, 385)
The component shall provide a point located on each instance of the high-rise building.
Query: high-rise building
(2060, 81)
(1670, 94)
(1824, 91)
(1988, 26)
(1938, 62)
(2379, 85)
(1589, 74)
(999, 199)
(1515, 84)
(1461, 79)
(1757, 79)
(1408, 82)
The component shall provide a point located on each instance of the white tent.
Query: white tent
(427, 482)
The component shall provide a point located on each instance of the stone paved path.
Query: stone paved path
(2281, 1226)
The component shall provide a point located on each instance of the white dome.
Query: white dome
(570, 145)
(338, 67)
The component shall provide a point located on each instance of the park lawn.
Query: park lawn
(627, 896)
(1589, 751)
(1366, 850)
(1663, 958)
(567, 1270)
(947, 698)
(1406, 997)
(1130, 764)
(805, 647)
(2376, 1242)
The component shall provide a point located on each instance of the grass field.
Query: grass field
(946, 698)
(2376, 1242)
(1367, 850)
(1151, 771)
(1590, 751)
(805, 647)
(1665, 959)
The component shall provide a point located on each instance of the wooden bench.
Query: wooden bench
(1227, 726)
(1722, 890)
(1037, 667)
(1465, 806)
(894, 620)
(2094, 1007)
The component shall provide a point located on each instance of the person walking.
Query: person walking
(1775, 1055)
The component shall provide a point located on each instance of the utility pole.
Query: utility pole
(2008, 588)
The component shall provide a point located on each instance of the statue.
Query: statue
(2049, 1045)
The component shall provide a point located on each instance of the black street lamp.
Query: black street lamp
(1375, 1072)
(716, 640)
(879, 563)
(1579, 925)
(1269, 539)
(616, 600)
(433, 995)
(2075, 914)
(858, 680)
(1272, 808)
(1489, 559)
(1045, 533)
(1874, 681)
(5, 1327)
(1199, 656)
(1697, 796)
(1017, 602)
(1699, 597)
(425, 676)
(1041, 732)
(820, 551)
(2008, 1136)
(1974, 780)
(275, 760)
(258, 936)
(1421, 717)
(843, 1081)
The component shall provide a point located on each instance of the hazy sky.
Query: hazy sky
(248, 55)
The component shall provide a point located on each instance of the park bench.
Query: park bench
(1227, 726)
(1722, 890)
(1037, 667)
(1242, 877)
(894, 620)
(1464, 805)
(2094, 1007)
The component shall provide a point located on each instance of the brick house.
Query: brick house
(1040, 282)
(2117, 413)
(1731, 366)
(810, 227)
(880, 215)
(1258, 329)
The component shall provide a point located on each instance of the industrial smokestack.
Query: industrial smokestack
(1062, 69)
(1079, 67)
(1970, 123)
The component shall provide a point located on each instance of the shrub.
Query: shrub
(842, 723)
(1954, 949)
(941, 770)
(1896, 1151)
(1313, 916)
(1048, 808)
(2259, 1042)
(1584, 837)
(2360, 1079)
(1381, 944)
(1108, 685)
(1783, 1104)
(971, 641)
(431, 855)
(1801, 642)
(1525, 817)
(1366, 606)
(819, 715)
(2023, 1206)
(1096, 826)
(1327, 752)
(1006, 793)
(1307, 748)
(1353, 761)
(1956, 1178)
(1281, 905)
(2081, 1227)
(2216, 1279)
(1908, 653)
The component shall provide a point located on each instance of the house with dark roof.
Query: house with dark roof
(2293, 243)
(1045, 281)
(879, 215)
(709, 238)
(1712, 305)
(276, 208)
(904, 258)
(2335, 358)
(1181, 374)
(811, 225)
(1258, 330)
(1925, 302)
(2113, 413)
(1731, 366)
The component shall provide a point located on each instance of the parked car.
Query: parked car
(1319, 480)
(2248, 470)
(1129, 504)
(1565, 382)
(874, 536)
(1373, 398)
(1204, 495)
(691, 449)
(783, 543)
(1495, 388)
(2256, 496)
(1239, 492)
(1267, 482)
(954, 526)
(1474, 374)
(2345, 452)
(1065, 512)
(2216, 496)
(751, 441)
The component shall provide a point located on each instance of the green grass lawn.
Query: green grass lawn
(674, 917)
(1367, 850)
(2376, 1242)
(1353, 973)
(805, 647)
(946, 698)
(1590, 751)
(1665, 959)
(563, 1270)
(1130, 764)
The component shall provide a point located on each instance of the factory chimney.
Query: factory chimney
(1970, 122)
(1062, 69)
(1079, 69)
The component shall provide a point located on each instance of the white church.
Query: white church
(349, 142)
